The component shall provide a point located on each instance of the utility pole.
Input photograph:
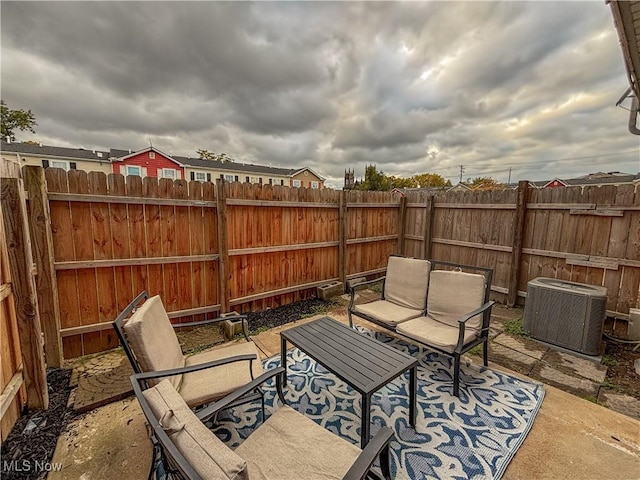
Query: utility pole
(461, 172)
(509, 181)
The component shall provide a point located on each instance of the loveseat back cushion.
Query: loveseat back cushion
(453, 294)
(207, 454)
(153, 340)
(407, 281)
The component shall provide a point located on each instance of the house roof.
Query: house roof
(50, 151)
(235, 166)
(597, 178)
(120, 158)
(626, 15)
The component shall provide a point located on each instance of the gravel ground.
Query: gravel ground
(26, 453)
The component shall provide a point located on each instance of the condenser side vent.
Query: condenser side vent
(567, 314)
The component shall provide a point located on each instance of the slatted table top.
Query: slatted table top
(363, 362)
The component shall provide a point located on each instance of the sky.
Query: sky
(509, 90)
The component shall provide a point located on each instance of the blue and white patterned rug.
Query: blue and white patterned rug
(473, 436)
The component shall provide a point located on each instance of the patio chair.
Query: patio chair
(458, 313)
(150, 343)
(287, 446)
(404, 294)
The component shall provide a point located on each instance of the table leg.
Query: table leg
(365, 431)
(413, 387)
(283, 359)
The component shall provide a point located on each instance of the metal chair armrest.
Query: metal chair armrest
(462, 323)
(377, 447)
(242, 391)
(477, 311)
(250, 357)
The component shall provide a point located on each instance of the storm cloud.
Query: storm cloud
(413, 87)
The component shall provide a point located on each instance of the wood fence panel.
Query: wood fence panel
(63, 247)
(119, 219)
(19, 258)
(196, 238)
(12, 389)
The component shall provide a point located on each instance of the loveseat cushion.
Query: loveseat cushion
(431, 332)
(453, 294)
(153, 340)
(207, 454)
(387, 312)
(210, 384)
(406, 283)
(290, 446)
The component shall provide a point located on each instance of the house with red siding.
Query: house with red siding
(149, 162)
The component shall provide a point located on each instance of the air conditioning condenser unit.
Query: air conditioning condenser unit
(567, 314)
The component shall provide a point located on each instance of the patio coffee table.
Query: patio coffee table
(361, 361)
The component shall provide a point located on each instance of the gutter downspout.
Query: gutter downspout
(633, 116)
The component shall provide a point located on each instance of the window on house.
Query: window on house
(169, 173)
(237, 178)
(282, 182)
(297, 183)
(247, 180)
(229, 178)
(199, 176)
(152, 155)
(58, 164)
(254, 179)
(314, 184)
(260, 180)
(271, 181)
(133, 170)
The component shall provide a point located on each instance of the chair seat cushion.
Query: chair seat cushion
(290, 446)
(387, 312)
(210, 384)
(431, 332)
(208, 455)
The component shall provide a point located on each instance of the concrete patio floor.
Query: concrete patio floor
(571, 437)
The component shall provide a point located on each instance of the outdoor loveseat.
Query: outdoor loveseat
(287, 446)
(455, 314)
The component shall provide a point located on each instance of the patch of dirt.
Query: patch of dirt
(621, 374)
(26, 454)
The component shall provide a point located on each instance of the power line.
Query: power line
(567, 159)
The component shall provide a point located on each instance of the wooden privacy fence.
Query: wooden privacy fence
(204, 248)
(587, 235)
(211, 248)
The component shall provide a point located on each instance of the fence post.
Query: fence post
(223, 247)
(23, 286)
(428, 227)
(42, 244)
(342, 239)
(402, 215)
(516, 247)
